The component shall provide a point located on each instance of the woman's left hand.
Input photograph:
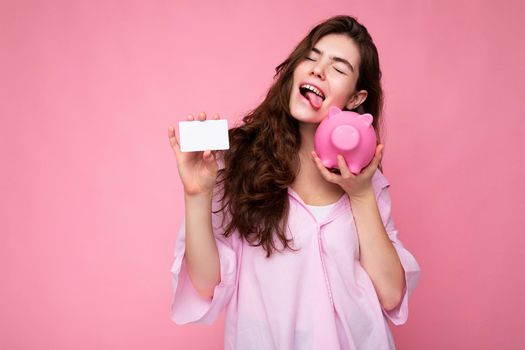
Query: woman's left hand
(354, 185)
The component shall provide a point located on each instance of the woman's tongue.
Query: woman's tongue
(314, 99)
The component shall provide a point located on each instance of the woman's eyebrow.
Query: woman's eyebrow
(334, 58)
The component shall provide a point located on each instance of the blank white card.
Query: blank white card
(203, 135)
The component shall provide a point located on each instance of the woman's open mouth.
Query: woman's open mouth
(312, 94)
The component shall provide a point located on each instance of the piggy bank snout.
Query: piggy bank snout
(345, 137)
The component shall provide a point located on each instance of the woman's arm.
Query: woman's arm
(202, 255)
(377, 254)
(198, 173)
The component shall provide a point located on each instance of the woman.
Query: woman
(301, 257)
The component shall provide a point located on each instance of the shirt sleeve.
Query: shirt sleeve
(187, 305)
(399, 314)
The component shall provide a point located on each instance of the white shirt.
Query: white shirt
(320, 211)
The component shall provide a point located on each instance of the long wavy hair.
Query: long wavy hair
(263, 158)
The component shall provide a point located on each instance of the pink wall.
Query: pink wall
(90, 193)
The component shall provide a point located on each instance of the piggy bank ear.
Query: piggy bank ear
(367, 117)
(333, 110)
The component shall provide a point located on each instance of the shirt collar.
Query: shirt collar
(340, 206)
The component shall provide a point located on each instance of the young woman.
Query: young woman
(300, 256)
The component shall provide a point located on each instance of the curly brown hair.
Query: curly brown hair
(263, 158)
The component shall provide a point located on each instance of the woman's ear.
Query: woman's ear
(356, 99)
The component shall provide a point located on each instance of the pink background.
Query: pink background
(90, 195)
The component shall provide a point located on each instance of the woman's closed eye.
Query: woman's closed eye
(340, 71)
(313, 59)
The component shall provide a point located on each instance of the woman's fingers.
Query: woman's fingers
(327, 175)
(209, 161)
(206, 155)
(173, 140)
(376, 160)
(202, 116)
(343, 168)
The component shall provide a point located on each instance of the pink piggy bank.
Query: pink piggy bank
(347, 133)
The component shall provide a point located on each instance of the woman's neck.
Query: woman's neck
(307, 131)
(309, 183)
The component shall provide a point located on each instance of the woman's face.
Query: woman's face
(331, 70)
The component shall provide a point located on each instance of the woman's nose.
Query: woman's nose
(318, 69)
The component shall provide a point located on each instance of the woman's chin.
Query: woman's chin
(307, 115)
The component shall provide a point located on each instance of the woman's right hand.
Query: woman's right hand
(197, 170)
